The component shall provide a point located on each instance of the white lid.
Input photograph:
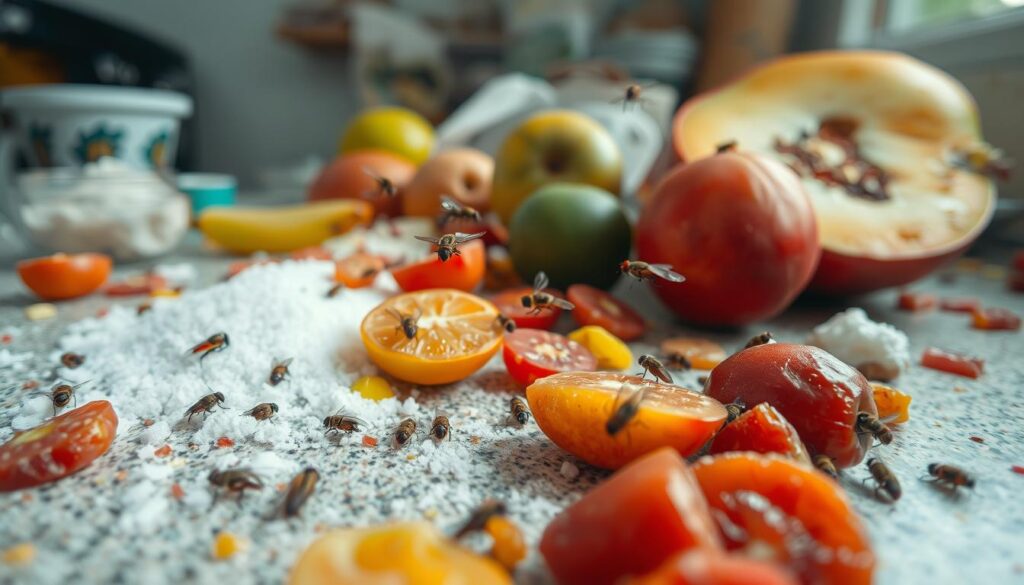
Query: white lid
(97, 97)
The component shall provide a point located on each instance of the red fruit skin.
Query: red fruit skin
(740, 228)
(698, 567)
(596, 307)
(761, 429)
(816, 392)
(843, 275)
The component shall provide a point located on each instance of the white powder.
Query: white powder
(878, 349)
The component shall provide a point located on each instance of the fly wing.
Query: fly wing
(427, 239)
(461, 237)
(286, 362)
(562, 304)
(662, 375)
(665, 271)
(540, 282)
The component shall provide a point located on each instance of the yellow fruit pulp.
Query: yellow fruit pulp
(611, 352)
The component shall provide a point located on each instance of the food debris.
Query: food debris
(952, 363)
(6, 338)
(20, 555)
(878, 350)
(227, 545)
(40, 311)
(474, 440)
(909, 301)
(1018, 469)
(569, 470)
(177, 492)
(121, 475)
(977, 439)
(102, 312)
(30, 385)
(147, 422)
(225, 442)
(369, 441)
(163, 451)
(960, 304)
(995, 319)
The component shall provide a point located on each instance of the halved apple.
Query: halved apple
(872, 135)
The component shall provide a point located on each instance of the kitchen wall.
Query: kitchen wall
(260, 102)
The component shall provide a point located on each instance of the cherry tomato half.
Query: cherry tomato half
(532, 354)
(596, 307)
(140, 284)
(462, 272)
(510, 304)
(64, 276)
(58, 447)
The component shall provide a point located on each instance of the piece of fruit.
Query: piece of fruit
(910, 301)
(574, 233)
(226, 545)
(741, 228)
(776, 509)
(58, 447)
(611, 352)
(284, 228)
(356, 176)
(359, 269)
(19, 555)
(995, 319)
(818, 394)
(596, 307)
(464, 174)
(873, 237)
(373, 388)
(952, 363)
(509, 547)
(762, 429)
(312, 253)
(573, 409)
(396, 130)
(510, 304)
(629, 525)
(532, 354)
(456, 335)
(553, 146)
(893, 406)
(462, 272)
(65, 276)
(702, 354)
(960, 304)
(137, 284)
(412, 553)
(700, 567)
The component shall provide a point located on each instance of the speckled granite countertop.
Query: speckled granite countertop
(82, 533)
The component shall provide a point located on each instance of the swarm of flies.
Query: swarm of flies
(403, 432)
(205, 405)
(279, 371)
(262, 411)
(653, 365)
(72, 360)
(341, 422)
(452, 210)
(234, 482)
(440, 429)
(519, 415)
(539, 300)
(624, 408)
(644, 271)
(448, 244)
(407, 324)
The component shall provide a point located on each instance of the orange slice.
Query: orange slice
(456, 335)
(573, 408)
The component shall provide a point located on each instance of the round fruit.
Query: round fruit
(553, 146)
(456, 335)
(396, 130)
(464, 174)
(532, 354)
(818, 394)
(510, 304)
(64, 276)
(573, 409)
(874, 237)
(596, 307)
(354, 176)
(463, 272)
(574, 233)
(742, 230)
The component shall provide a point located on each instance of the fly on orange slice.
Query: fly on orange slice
(455, 334)
(573, 410)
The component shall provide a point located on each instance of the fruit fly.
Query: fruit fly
(539, 300)
(405, 430)
(72, 360)
(213, 343)
(478, 519)
(625, 411)
(678, 361)
(440, 428)
(733, 410)
(262, 411)
(279, 371)
(643, 271)
(341, 422)
(334, 290)
(235, 481)
(299, 491)
(518, 411)
(653, 365)
(869, 423)
(407, 324)
(632, 95)
(62, 394)
(385, 188)
(505, 323)
(826, 465)
(205, 405)
(452, 209)
(762, 338)
(982, 159)
(950, 476)
(142, 308)
(448, 244)
(885, 479)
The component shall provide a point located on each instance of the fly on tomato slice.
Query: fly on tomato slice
(910, 301)
(58, 447)
(952, 363)
(960, 304)
(596, 307)
(995, 320)
(532, 354)
(462, 272)
(510, 304)
(140, 284)
(64, 276)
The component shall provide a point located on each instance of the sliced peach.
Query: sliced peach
(761, 429)
(573, 408)
(697, 567)
(893, 406)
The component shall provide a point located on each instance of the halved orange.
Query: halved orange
(573, 408)
(456, 335)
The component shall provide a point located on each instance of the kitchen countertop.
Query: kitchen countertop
(929, 536)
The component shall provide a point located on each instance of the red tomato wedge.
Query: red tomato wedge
(596, 307)
(952, 363)
(761, 429)
(629, 525)
(960, 304)
(140, 284)
(510, 304)
(463, 272)
(532, 354)
(64, 276)
(58, 447)
(909, 301)
(995, 320)
(698, 567)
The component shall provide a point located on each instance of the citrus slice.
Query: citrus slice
(573, 409)
(455, 336)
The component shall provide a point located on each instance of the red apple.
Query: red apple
(464, 174)
(352, 176)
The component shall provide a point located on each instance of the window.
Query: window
(908, 15)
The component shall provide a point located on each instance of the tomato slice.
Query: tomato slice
(596, 307)
(952, 363)
(510, 304)
(64, 276)
(960, 304)
(359, 270)
(909, 301)
(995, 320)
(58, 447)
(463, 272)
(532, 354)
(140, 284)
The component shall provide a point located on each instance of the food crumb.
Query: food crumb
(40, 311)
(410, 457)
(569, 470)
(430, 513)
(147, 422)
(225, 442)
(977, 439)
(226, 545)
(176, 491)
(1018, 469)
(163, 451)
(121, 475)
(6, 338)
(30, 385)
(369, 441)
(20, 554)
(102, 312)
(27, 497)
(959, 389)
(474, 440)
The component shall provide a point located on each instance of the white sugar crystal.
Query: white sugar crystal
(857, 340)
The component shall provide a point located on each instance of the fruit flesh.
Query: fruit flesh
(610, 351)
(893, 405)
(532, 354)
(761, 430)
(703, 568)
(596, 307)
(462, 272)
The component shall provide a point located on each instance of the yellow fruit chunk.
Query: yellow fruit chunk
(455, 336)
(166, 293)
(281, 229)
(413, 553)
(893, 405)
(20, 554)
(703, 354)
(396, 130)
(373, 388)
(509, 548)
(227, 545)
(40, 311)
(611, 352)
